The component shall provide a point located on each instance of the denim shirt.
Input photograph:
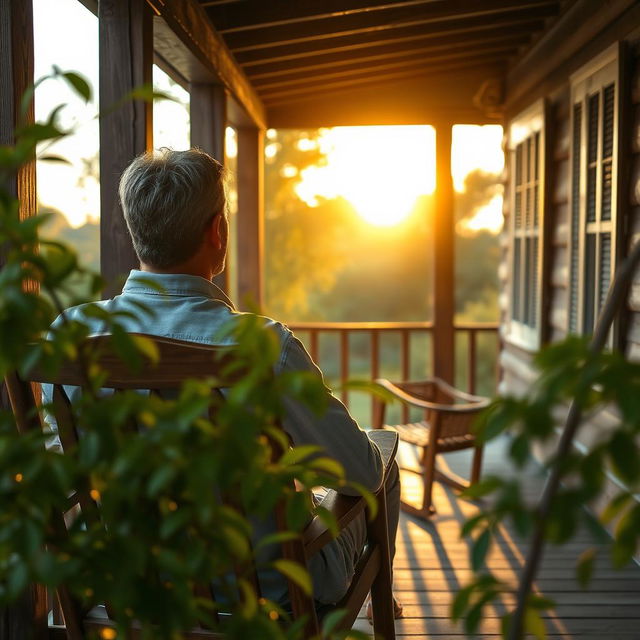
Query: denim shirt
(191, 308)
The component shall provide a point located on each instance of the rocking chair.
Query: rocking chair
(449, 415)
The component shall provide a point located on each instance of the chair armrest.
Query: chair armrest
(387, 442)
(346, 508)
(469, 407)
(343, 508)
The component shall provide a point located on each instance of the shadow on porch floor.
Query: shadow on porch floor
(432, 562)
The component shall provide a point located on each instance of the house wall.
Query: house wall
(517, 371)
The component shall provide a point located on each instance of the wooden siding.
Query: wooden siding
(559, 172)
(633, 326)
(517, 371)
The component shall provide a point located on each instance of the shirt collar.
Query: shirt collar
(174, 284)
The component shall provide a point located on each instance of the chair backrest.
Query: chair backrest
(450, 410)
(178, 361)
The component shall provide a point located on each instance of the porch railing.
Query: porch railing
(400, 351)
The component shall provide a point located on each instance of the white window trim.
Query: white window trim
(527, 123)
(591, 78)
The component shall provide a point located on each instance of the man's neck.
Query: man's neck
(184, 269)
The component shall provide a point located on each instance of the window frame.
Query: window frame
(591, 80)
(527, 124)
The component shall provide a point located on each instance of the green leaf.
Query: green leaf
(533, 623)
(615, 507)
(536, 601)
(79, 84)
(485, 486)
(298, 454)
(480, 549)
(584, 567)
(471, 524)
(277, 538)
(461, 602)
(54, 158)
(330, 466)
(328, 519)
(147, 347)
(296, 573)
(369, 497)
(624, 456)
(331, 621)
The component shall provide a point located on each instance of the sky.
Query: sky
(381, 170)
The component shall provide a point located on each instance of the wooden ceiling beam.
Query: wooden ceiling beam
(417, 100)
(189, 22)
(376, 22)
(246, 15)
(311, 90)
(513, 38)
(518, 22)
(319, 80)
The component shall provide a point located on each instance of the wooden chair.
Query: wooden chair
(179, 361)
(449, 415)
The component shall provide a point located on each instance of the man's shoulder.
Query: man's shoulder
(84, 313)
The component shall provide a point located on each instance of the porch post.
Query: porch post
(208, 114)
(250, 215)
(27, 617)
(443, 259)
(126, 59)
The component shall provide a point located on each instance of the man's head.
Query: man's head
(175, 207)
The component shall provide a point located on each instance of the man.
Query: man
(175, 208)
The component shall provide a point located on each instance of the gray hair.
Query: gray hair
(168, 199)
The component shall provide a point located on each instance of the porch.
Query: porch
(249, 64)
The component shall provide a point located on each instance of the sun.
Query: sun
(380, 170)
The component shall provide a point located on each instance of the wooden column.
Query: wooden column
(126, 59)
(27, 617)
(443, 254)
(250, 215)
(208, 114)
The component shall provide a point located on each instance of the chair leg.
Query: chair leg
(381, 589)
(429, 469)
(476, 465)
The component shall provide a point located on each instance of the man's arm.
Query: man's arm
(335, 431)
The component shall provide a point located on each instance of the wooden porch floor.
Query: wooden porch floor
(432, 562)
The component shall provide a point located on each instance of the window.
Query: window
(594, 125)
(526, 161)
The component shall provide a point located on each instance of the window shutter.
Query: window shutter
(608, 116)
(575, 218)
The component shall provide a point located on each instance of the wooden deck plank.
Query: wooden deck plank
(432, 562)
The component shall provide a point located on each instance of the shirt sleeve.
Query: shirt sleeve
(335, 430)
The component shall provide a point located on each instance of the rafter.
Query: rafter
(299, 79)
(250, 13)
(378, 22)
(513, 39)
(381, 80)
(517, 22)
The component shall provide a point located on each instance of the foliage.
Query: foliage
(161, 528)
(569, 371)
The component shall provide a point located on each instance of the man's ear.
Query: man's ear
(216, 235)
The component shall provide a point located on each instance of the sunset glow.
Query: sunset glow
(380, 170)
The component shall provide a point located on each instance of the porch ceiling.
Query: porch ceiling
(328, 62)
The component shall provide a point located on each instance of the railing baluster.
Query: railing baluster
(344, 363)
(375, 361)
(471, 361)
(314, 345)
(405, 366)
